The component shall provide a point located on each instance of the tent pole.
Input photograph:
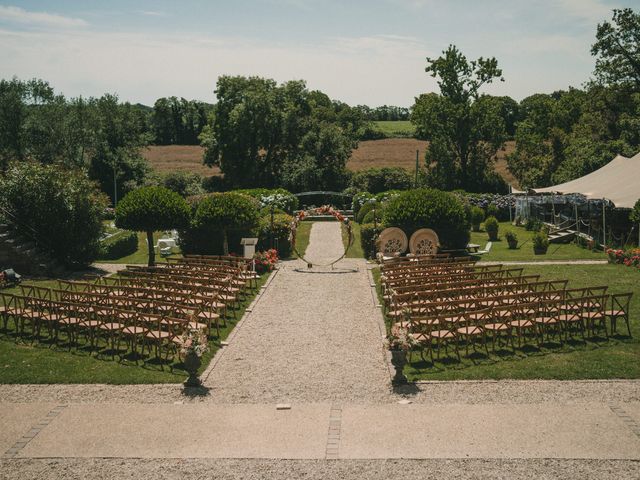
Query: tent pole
(575, 207)
(604, 226)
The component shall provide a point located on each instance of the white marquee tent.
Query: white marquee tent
(618, 181)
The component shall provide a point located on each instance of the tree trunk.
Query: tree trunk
(152, 253)
(225, 242)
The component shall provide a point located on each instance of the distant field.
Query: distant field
(390, 152)
(178, 158)
(400, 128)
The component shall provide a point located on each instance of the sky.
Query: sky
(369, 52)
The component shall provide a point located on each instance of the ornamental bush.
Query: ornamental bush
(219, 220)
(365, 209)
(368, 235)
(119, 245)
(634, 216)
(281, 231)
(476, 215)
(429, 208)
(491, 226)
(540, 242)
(369, 217)
(376, 180)
(359, 200)
(60, 210)
(150, 209)
(279, 198)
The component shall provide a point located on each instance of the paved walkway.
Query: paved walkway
(304, 381)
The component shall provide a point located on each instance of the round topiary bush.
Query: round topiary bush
(430, 208)
(368, 235)
(365, 209)
(281, 231)
(491, 226)
(225, 213)
(150, 209)
(369, 217)
(476, 215)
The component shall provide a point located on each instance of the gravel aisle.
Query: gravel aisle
(312, 337)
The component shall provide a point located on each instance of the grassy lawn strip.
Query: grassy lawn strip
(500, 249)
(356, 248)
(142, 254)
(619, 357)
(302, 238)
(44, 362)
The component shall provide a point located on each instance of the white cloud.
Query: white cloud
(152, 13)
(18, 15)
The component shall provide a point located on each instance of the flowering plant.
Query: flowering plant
(400, 339)
(194, 340)
(630, 258)
(266, 261)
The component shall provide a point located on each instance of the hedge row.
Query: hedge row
(119, 245)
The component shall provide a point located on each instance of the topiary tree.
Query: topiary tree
(149, 209)
(430, 208)
(491, 226)
(226, 212)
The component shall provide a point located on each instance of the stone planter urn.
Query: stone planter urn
(540, 250)
(513, 244)
(399, 360)
(192, 363)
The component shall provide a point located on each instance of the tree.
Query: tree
(149, 209)
(59, 209)
(225, 212)
(617, 49)
(464, 128)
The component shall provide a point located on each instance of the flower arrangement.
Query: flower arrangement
(194, 340)
(400, 339)
(266, 261)
(630, 258)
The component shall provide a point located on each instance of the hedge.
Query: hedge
(368, 235)
(119, 245)
(430, 208)
(279, 197)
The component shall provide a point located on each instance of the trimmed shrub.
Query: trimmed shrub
(281, 231)
(149, 209)
(364, 210)
(360, 199)
(491, 226)
(430, 208)
(119, 245)
(368, 218)
(218, 222)
(368, 235)
(492, 210)
(61, 210)
(376, 180)
(533, 225)
(184, 184)
(476, 216)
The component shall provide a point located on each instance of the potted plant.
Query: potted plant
(399, 341)
(491, 226)
(540, 243)
(512, 239)
(476, 215)
(193, 345)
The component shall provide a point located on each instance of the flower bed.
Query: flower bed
(266, 261)
(630, 258)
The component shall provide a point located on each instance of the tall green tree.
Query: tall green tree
(465, 129)
(617, 50)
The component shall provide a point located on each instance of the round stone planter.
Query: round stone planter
(539, 251)
(512, 244)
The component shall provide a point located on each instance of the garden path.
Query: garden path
(312, 337)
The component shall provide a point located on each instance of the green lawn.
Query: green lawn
(141, 255)
(302, 238)
(356, 248)
(22, 361)
(619, 357)
(500, 249)
(397, 128)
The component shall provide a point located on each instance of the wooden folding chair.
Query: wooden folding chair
(619, 309)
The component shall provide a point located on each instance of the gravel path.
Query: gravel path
(105, 468)
(312, 338)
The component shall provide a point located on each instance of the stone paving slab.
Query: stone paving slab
(184, 431)
(17, 419)
(481, 431)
